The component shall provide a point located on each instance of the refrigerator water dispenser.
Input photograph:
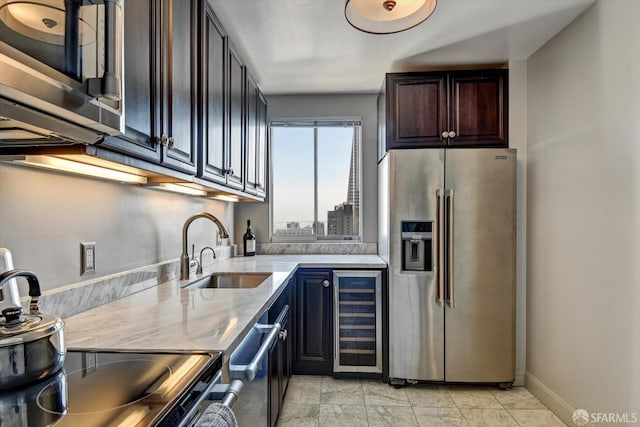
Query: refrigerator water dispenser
(417, 245)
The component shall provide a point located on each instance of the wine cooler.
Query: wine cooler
(358, 321)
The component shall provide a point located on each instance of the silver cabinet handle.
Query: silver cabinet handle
(171, 142)
(439, 246)
(450, 281)
(164, 139)
(283, 335)
(229, 171)
(449, 134)
(325, 283)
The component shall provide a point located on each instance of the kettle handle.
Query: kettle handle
(34, 286)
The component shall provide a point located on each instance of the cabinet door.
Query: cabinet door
(273, 394)
(251, 135)
(262, 161)
(235, 136)
(256, 145)
(313, 324)
(416, 110)
(478, 108)
(285, 359)
(179, 76)
(280, 360)
(212, 163)
(141, 85)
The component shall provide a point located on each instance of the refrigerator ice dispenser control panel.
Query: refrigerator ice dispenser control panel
(417, 245)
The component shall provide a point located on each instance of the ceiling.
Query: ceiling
(307, 46)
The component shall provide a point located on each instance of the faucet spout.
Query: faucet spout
(199, 270)
(184, 257)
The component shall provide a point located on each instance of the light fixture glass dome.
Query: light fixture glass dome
(387, 16)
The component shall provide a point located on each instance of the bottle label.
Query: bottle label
(251, 246)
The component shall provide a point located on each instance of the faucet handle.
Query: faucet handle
(193, 261)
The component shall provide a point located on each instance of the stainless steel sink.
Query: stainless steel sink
(231, 281)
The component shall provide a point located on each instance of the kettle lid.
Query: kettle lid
(17, 328)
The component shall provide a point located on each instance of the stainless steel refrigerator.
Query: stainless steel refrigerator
(447, 231)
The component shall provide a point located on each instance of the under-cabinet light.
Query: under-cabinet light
(226, 198)
(70, 166)
(176, 188)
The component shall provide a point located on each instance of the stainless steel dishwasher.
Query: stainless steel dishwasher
(249, 363)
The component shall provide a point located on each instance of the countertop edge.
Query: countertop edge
(281, 264)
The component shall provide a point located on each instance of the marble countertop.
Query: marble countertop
(170, 317)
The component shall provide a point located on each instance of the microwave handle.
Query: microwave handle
(108, 86)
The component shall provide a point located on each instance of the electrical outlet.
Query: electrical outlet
(87, 258)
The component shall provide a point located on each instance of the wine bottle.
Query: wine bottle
(249, 241)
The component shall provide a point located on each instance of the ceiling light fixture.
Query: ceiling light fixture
(387, 16)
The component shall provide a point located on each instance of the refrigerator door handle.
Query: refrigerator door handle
(440, 245)
(450, 281)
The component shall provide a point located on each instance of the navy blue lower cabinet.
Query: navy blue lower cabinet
(313, 307)
(280, 353)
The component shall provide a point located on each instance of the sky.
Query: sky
(292, 151)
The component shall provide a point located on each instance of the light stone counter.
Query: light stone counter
(169, 317)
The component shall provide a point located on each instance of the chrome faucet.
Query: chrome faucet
(199, 270)
(184, 258)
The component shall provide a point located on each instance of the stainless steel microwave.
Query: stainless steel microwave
(60, 71)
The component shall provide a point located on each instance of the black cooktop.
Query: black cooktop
(113, 388)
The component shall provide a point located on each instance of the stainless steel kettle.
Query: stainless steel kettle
(32, 346)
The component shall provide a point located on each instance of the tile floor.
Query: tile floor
(324, 401)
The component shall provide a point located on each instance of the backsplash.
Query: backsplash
(317, 248)
(78, 297)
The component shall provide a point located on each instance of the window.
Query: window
(315, 186)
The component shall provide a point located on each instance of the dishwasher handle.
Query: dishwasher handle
(227, 394)
(250, 370)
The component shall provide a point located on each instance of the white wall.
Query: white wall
(583, 237)
(318, 106)
(44, 216)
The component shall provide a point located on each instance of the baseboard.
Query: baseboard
(555, 403)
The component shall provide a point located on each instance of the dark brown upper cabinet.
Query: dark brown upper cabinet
(160, 70)
(478, 108)
(444, 109)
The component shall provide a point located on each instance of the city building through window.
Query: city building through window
(315, 185)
